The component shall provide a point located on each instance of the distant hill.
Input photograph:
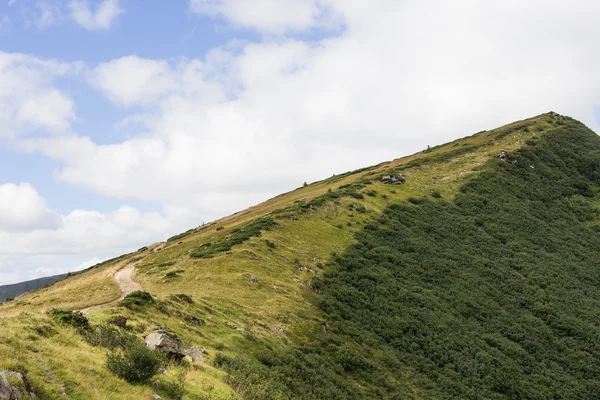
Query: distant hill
(469, 270)
(16, 289)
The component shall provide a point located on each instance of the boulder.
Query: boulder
(252, 278)
(195, 354)
(7, 391)
(167, 343)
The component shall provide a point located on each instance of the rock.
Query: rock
(166, 343)
(7, 391)
(24, 379)
(195, 320)
(211, 319)
(231, 325)
(195, 353)
(293, 218)
(502, 154)
(275, 289)
(119, 321)
(252, 278)
(277, 329)
(155, 397)
(393, 180)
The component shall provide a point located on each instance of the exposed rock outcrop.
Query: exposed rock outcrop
(167, 343)
(7, 391)
(195, 354)
(393, 180)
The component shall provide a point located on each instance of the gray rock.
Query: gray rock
(393, 180)
(252, 278)
(155, 397)
(195, 354)
(231, 325)
(166, 343)
(7, 391)
(27, 385)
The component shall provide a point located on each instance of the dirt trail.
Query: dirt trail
(124, 278)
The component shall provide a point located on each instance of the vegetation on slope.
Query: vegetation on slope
(303, 296)
(492, 295)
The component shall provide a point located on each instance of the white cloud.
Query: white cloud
(100, 19)
(132, 80)
(254, 119)
(29, 102)
(35, 241)
(22, 208)
(265, 15)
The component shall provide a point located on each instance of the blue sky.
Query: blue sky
(123, 122)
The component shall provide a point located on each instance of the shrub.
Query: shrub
(108, 336)
(436, 194)
(137, 299)
(371, 193)
(174, 274)
(69, 317)
(136, 363)
(270, 244)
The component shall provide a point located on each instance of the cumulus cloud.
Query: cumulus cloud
(265, 15)
(100, 19)
(252, 119)
(132, 80)
(22, 208)
(36, 241)
(29, 101)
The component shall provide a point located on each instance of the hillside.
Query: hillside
(469, 270)
(16, 289)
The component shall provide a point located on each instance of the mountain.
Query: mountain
(11, 291)
(470, 270)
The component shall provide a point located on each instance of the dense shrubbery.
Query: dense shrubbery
(496, 295)
(181, 235)
(69, 317)
(136, 363)
(238, 236)
(108, 336)
(137, 299)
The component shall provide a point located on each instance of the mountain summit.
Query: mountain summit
(470, 270)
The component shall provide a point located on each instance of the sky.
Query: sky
(124, 122)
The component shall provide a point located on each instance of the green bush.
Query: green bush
(108, 336)
(136, 363)
(137, 299)
(69, 317)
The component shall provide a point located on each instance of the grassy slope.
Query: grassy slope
(278, 308)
